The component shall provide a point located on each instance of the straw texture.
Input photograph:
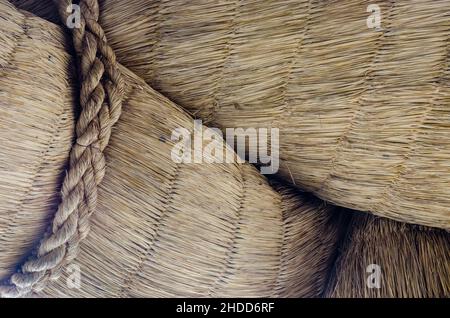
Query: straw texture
(161, 228)
(363, 113)
(101, 93)
(414, 260)
(42, 8)
(37, 122)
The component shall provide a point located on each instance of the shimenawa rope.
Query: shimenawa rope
(101, 103)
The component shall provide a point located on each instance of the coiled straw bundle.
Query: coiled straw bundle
(160, 228)
(363, 112)
(414, 261)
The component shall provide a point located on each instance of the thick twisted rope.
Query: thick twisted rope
(101, 103)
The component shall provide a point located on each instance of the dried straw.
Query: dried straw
(36, 128)
(101, 93)
(414, 260)
(42, 8)
(363, 113)
(161, 228)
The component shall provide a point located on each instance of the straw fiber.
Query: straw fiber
(363, 112)
(101, 94)
(414, 260)
(36, 127)
(160, 228)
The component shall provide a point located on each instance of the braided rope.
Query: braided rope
(101, 104)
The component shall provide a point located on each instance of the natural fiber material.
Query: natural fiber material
(161, 228)
(279, 247)
(414, 260)
(36, 129)
(101, 105)
(42, 8)
(363, 113)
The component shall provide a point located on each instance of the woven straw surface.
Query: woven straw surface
(36, 124)
(161, 228)
(414, 260)
(363, 113)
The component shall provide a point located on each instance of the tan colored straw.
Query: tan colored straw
(101, 104)
(413, 261)
(362, 111)
(161, 228)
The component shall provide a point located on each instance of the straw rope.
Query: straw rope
(368, 107)
(160, 228)
(161, 274)
(101, 102)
